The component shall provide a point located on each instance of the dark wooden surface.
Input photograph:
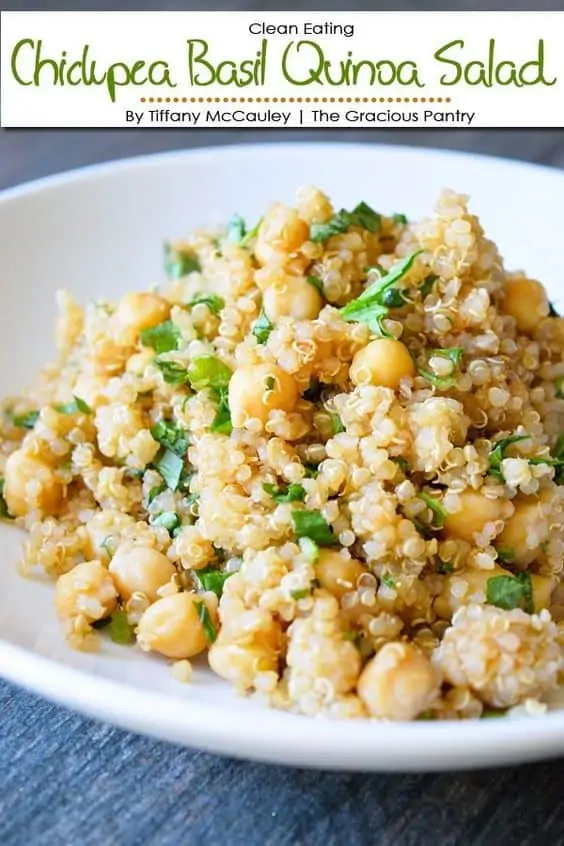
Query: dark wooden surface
(68, 780)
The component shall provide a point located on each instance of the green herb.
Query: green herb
(120, 630)
(311, 469)
(353, 637)
(162, 338)
(555, 460)
(213, 301)
(236, 229)
(252, 233)
(270, 383)
(509, 592)
(393, 298)
(401, 462)
(369, 307)
(444, 567)
(25, 421)
(3, 507)
(558, 387)
(213, 579)
(108, 545)
(454, 354)
(316, 283)
(427, 715)
(552, 311)
(313, 525)
(206, 621)
(505, 554)
(497, 454)
(309, 548)
(173, 372)
(337, 424)
(492, 713)
(207, 371)
(154, 492)
(179, 262)
(76, 406)
(388, 581)
(222, 420)
(169, 519)
(399, 219)
(262, 328)
(428, 284)
(291, 493)
(171, 436)
(362, 215)
(436, 507)
(170, 467)
(300, 594)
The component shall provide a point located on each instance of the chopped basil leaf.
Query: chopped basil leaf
(270, 383)
(428, 284)
(311, 469)
(427, 715)
(74, 407)
(316, 283)
(436, 507)
(313, 525)
(222, 420)
(401, 462)
(369, 307)
(212, 579)
(362, 215)
(454, 354)
(399, 218)
(179, 262)
(169, 519)
(207, 371)
(25, 421)
(170, 435)
(291, 493)
(120, 630)
(236, 229)
(252, 233)
(206, 621)
(393, 298)
(170, 467)
(444, 567)
(559, 387)
(497, 454)
(388, 581)
(262, 328)
(492, 713)
(505, 554)
(309, 548)
(3, 507)
(154, 492)
(509, 592)
(213, 301)
(173, 372)
(300, 594)
(337, 424)
(162, 338)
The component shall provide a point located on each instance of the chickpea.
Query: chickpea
(281, 233)
(256, 389)
(29, 484)
(526, 301)
(138, 311)
(172, 625)
(293, 297)
(87, 590)
(450, 598)
(476, 510)
(398, 683)
(526, 518)
(382, 362)
(140, 569)
(336, 573)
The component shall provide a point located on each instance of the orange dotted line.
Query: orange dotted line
(295, 100)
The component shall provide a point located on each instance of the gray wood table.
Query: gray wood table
(67, 780)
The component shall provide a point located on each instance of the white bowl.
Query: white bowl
(98, 232)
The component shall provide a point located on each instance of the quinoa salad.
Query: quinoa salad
(326, 455)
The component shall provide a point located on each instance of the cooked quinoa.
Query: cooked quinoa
(327, 451)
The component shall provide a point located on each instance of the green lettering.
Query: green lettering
(14, 59)
(197, 59)
(439, 56)
(314, 72)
